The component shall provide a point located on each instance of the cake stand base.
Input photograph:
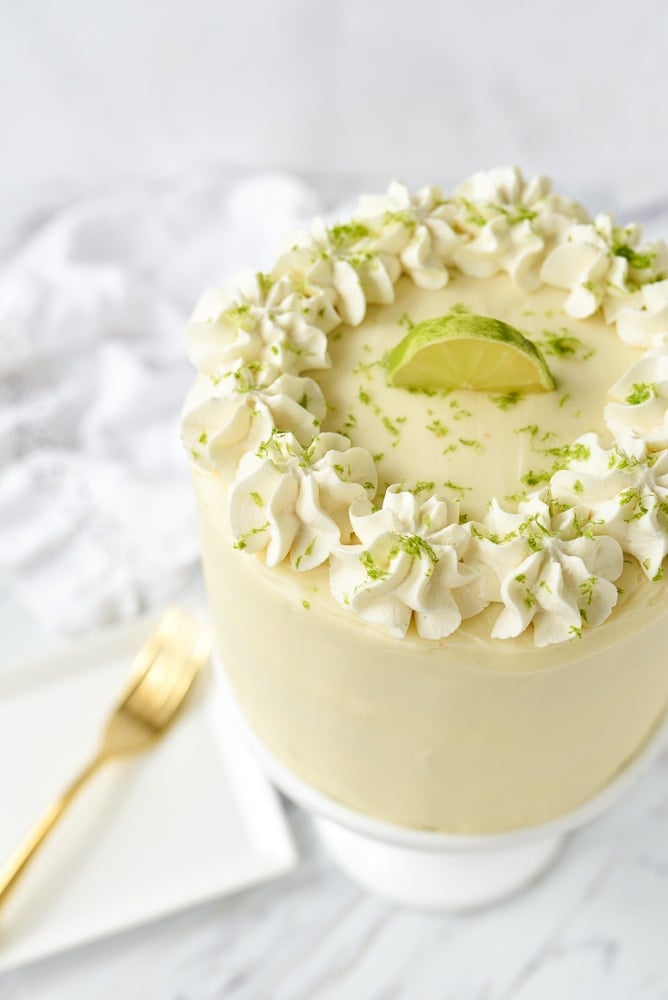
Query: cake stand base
(437, 879)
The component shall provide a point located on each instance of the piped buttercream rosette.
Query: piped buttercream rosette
(272, 326)
(256, 414)
(292, 500)
(625, 497)
(639, 414)
(546, 568)
(408, 562)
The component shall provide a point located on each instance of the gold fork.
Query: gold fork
(162, 675)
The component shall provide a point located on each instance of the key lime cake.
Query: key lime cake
(430, 454)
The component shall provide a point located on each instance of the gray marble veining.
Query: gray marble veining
(592, 929)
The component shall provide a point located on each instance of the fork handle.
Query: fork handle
(11, 872)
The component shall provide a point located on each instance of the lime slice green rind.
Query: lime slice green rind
(462, 350)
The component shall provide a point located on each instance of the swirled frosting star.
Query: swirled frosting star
(277, 326)
(295, 501)
(220, 428)
(347, 261)
(625, 496)
(543, 571)
(640, 410)
(408, 563)
(418, 228)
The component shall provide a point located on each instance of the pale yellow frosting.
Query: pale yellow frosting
(467, 734)
(337, 513)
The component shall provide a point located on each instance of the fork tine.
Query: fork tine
(151, 647)
(172, 671)
(143, 663)
(185, 678)
(178, 674)
(179, 634)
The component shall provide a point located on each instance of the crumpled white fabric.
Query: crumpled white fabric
(96, 512)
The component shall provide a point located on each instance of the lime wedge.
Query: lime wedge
(463, 351)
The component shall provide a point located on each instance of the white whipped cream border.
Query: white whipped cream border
(304, 495)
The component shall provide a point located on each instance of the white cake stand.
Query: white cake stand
(434, 870)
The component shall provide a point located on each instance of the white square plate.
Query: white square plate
(189, 820)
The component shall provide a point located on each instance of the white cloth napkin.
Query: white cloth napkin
(96, 513)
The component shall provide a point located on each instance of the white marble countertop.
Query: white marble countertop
(592, 929)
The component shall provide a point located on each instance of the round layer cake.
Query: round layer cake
(444, 608)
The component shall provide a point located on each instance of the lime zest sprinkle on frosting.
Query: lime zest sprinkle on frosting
(279, 328)
(347, 234)
(306, 553)
(641, 392)
(242, 541)
(417, 546)
(475, 217)
(588, 588)
(563, 455)
(530, 599)
(456, 487)
(562, 344)
(509, 399)
(366, 368)
(516, 498)
(421, 487)
(640, 261)
(437, 427)
(373, 571)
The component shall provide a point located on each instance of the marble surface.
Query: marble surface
(592, 929)
(97, 96)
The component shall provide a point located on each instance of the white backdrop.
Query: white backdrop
(95, 92)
